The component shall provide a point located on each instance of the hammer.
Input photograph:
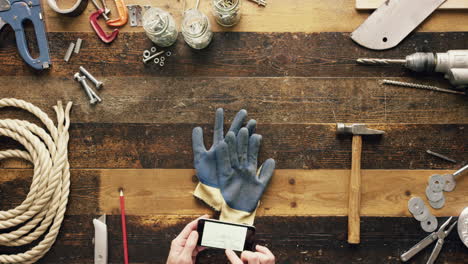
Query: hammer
(354, 200)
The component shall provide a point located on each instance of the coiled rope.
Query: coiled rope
(42, 212)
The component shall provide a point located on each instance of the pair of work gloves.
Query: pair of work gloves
(228, 177)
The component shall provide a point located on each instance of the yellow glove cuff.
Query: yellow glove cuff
(210, 195)
(235, 216)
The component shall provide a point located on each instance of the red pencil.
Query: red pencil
(124, 226)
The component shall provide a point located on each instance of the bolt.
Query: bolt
(82, 80)
(91, 77)
(145, 60)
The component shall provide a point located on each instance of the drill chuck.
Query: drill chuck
(421, 62)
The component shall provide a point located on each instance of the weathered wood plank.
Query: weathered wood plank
(268, 54)
(291, 192)
(293, 146)
(278, 16)
(83, 199)
(282, 100)
(292, 240)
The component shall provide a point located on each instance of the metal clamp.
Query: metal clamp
(123, 15)
(99, 31)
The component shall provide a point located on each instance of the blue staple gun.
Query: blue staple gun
(15, 13)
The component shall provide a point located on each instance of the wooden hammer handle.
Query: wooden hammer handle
(354, 202)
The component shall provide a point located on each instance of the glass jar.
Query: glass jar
(227, 12)
(196, 29)
(160, 27)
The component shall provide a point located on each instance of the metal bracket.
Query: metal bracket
(134, 12)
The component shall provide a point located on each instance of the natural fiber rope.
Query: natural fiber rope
(41, 213)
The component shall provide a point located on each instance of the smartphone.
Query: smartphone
(224, 235)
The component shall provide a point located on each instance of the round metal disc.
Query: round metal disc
(433, 196)
(430, 225)
(424, 215)
(437, 182)
(450, 182)
(463, 226)
(439, 204)
(416, 205)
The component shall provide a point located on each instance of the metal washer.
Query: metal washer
(424, 215)
(450, 182)
(433, 196)
(416, 205)
(430, 225)
(437, 182)
(439, 204)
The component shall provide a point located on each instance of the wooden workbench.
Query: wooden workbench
(291, 65)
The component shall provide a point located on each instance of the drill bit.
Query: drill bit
(421, 86)
(370, 61)
(440, 156)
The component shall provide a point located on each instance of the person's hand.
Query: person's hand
(184, 249)
(262, 256)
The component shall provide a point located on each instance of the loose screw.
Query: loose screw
(84, 84)
(91, 77)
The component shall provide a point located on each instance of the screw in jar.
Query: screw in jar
(160, 27)
(196, 29)
(227, 12)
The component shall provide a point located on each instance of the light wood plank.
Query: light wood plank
(291, 192)
(278, 16)
(373, 4)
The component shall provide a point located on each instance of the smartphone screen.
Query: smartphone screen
(217, 234)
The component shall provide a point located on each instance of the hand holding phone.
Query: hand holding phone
(184, 247)
(262, 256)
(224, 235)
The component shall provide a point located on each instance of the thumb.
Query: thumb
(190, 245)
(233, 258)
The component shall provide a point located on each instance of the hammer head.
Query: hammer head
(356, 129)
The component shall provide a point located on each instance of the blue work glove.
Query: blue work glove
(241, 184)
(205, 160)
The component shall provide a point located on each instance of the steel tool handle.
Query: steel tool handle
(99, 31)
(436, 251)
(18, 13)
(418, 247)
(100, 242)
(460, 171)
(354, 201)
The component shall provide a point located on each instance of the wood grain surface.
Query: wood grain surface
(293, 239)
(292, 66)
(277, 16)
(373, 4)
(329, 54)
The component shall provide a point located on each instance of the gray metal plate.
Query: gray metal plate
(392, 22)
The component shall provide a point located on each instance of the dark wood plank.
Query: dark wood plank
(84, 190)
(293, 146)
(282, 100)
(230, 54)
(292, 240)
